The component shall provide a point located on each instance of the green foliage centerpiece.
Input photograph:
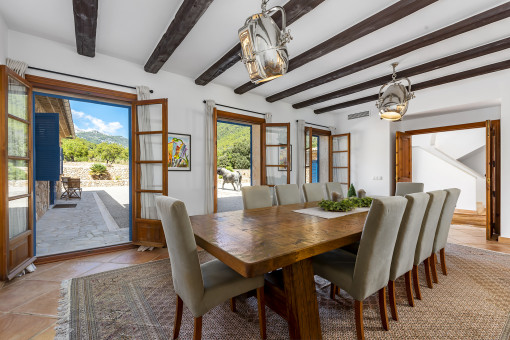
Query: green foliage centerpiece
(347, 204)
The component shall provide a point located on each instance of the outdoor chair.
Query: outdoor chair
(73, 188)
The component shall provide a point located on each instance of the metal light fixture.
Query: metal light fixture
(264, 45)
(394, 101)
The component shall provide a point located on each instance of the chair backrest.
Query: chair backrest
(186, 272)
(333, 187)
(287, 194)
(73, 183)
(403, 255)
(372, 268)
(445, 220)
(258, 196)
(313, 192)
(404, 188)
(429, 226)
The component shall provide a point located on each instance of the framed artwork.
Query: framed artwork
(282, 157)
(179, 152)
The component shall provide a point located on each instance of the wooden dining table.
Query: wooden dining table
(281, 242)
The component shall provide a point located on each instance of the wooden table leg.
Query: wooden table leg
(302, 307)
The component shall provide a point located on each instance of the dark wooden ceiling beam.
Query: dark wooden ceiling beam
(185, 19)
(379, 20)
(490, 16)
(413, 71)
(503, 65)
(294, 9)
(85, 26)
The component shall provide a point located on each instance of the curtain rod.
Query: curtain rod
(85, 78)
(324, 126)
(237, 108)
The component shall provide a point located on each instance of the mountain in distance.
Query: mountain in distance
(230, 134)
(97, 137)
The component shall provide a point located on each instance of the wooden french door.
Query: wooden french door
(404, 157)
(276, 153)
(150, 169)
(308, 154)
(340, 160)
(493, 174)
(16, 174)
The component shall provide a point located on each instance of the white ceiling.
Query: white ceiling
(130, 29)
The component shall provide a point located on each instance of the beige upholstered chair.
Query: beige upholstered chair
(367, 272)
(258, 196)
(313, 192)
(332, 187)
(445, 220)
(403, 255)
(200, 287)
(287, 194)
(426, 238)
(404, 188)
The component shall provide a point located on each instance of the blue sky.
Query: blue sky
(111, 120)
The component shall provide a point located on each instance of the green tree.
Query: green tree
(76, 150)
(108, 153)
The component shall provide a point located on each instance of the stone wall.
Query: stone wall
(42, 198)
(119, 174)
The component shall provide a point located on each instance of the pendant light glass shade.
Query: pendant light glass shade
(264, 45)
(394, 98)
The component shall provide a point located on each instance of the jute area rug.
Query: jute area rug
(472, 302)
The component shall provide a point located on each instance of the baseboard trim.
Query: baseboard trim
(504, 240)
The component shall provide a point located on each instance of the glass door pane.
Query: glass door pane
(340, 160)
(277, 153)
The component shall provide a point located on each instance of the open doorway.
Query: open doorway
(238, 158)
(464, 156)
(87, 204)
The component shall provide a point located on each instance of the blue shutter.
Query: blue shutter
(47, 148)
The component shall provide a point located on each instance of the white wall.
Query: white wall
(426, 168)
(370, 149)
(3, 40)
(471, 100)
(475, 160)
(185, 107)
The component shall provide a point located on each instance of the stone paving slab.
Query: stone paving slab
(71, 229)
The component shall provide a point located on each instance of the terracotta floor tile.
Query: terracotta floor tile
(24, 292)
(67, 270)
(45, 304)
(135, 257)
(48, 334)
(21, 327)
(106, 267)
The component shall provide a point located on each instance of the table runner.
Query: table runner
(316, 211)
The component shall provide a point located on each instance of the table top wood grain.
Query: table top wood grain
(257, 241)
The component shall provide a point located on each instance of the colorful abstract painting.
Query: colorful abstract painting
(179, 152)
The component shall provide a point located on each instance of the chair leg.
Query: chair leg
(382, 308)
(409, 289)
(178, 317)
(443, 261)
(233, 304)
(197, 330)
(433, 267)
(393, 302)
(262, 312)
(416, 282)
(332, 291)
(427, 273)
(358, 315)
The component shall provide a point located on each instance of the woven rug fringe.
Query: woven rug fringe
(62, 330)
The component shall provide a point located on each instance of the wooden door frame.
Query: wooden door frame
(331, 152)
(458, 127)
(42, 84)
(235, 118)
(264, 146)
(6, 272)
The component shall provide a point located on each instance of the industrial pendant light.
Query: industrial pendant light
(394, 101)
(264, 45)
